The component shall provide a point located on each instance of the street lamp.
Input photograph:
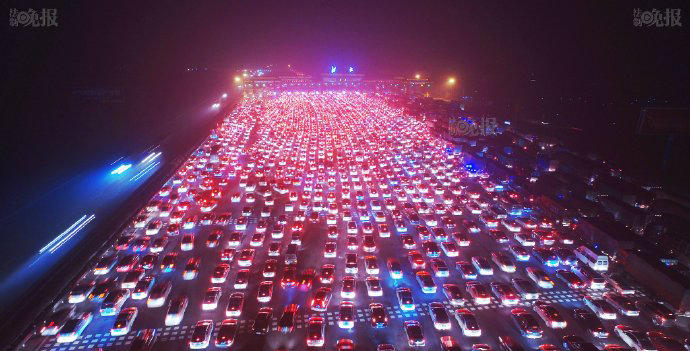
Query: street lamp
(238, 79)
(417, 76)
(451, 81)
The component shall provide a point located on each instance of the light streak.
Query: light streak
(57, 238)
(116, 161)
(121, 168)
(152, 156)
(67, 234)
(144, 171)
(74, 231)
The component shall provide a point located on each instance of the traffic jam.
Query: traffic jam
(332, 220)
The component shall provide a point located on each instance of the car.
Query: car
(659, 313)
(114, 301)
(468, 323)
(316, 331)
(226, 333)
(570, 279)
(525, 288)
(159, 294)
(274, 249)
(74, 327)
(57, 319)
(80, 292)
(526, 323)
(213, 239)
(520, 253)
(448, 343)
(440, 268)
(454, 294)
(201, 334)
(370, 265)
(416, 260)
(408, 242)
(591, 279)
(191, 269)
(588, 321)
(374, 286)
(235, 304)
(415, 335)
(176, 310)
(265, 291)
(576, 343)
(482, 265)
(270, 268)
(439, 316)
(616, 347)
(262, 322)
(286, 322)
(467, 270)
(506, 343)
(220, 273)
(450, 249)
(550, 315)
(327, 274)
(378, 315)
(235, 239)
(394, 269)
(478, 292)
(306, 279)
(405, 299)
(348, 288)
(346, 315)
(257, 240)
(369, 244)
(525, 239)
(159, 244)
(320, 300)
(289, 279)
(462, 239)
(241, 279)
(503, 261)
(426, 282)
(540, 277)
(345, 344)
(246, 258)
(187, 242)
(330, 250)
(104, 265)
(505, 293)
(210, 299)
(123, 322)
(480, 347)
(622, 304)
(601, 308)
(143, 340)
(431, 248)
(546, 257)
(635, 339)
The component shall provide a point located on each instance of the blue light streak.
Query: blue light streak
(144, 171)
(121, 168)
(67, 234)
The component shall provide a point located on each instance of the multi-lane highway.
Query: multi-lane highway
(347, 181)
